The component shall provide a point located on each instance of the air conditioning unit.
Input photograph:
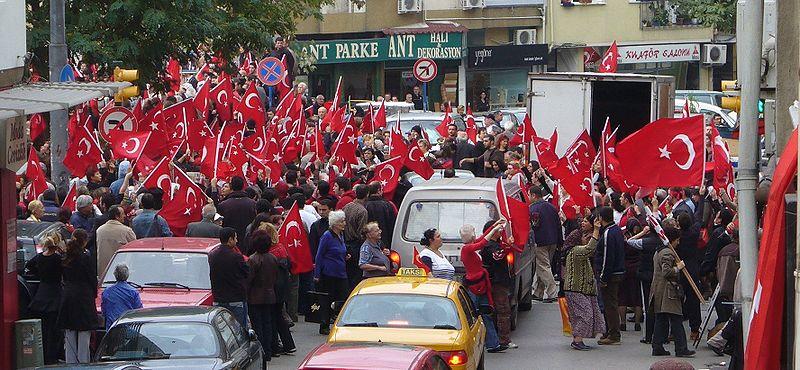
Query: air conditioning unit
(358, 6)
(409, 6)
(525, 37)
(473, 4)
(714, 54)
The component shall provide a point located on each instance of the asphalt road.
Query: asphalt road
(541, 346)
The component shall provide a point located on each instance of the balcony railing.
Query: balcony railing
(664, 14)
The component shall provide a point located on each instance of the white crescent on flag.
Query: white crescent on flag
(689, 147)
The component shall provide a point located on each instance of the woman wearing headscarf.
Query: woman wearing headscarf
(580, 288)
(432, 257)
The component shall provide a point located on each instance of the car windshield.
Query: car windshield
(400, 310)
(158, 340)
(447, 217)
(187, 269)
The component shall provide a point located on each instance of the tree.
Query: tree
(141, 34)
(719, 14)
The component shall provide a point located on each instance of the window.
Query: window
(466, 304)
(400, 310)
(238, 332)
(227, 333)
(436, 363)
(447, 217)
(158, 340)
(189, 269)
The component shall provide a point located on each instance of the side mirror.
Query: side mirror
(251, 335)
(485, 309)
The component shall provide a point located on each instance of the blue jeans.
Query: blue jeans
(238, 309)
(492, 340)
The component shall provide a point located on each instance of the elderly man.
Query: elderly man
(120, 297)
(112, 235)
(206, 228)
(83, 218)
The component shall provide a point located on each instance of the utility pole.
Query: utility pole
(58, 118)
(749, 27)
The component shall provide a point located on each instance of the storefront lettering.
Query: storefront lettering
(357, 50)
(482, 54)
(659, 53)
(402, 46)
(318, 51)
(441, 37)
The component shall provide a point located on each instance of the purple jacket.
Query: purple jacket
(545, 223)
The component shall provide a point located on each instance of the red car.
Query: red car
(358, 356)
(167, 271)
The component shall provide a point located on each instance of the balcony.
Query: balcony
(660, 14)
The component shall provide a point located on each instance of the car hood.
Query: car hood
(436, 339)
(184, 363)
(165, 297)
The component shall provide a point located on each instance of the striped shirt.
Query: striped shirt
(440, 267)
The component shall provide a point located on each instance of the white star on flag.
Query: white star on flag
(664, 152)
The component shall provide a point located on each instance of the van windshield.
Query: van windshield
(447, 217)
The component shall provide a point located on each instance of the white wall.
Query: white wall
(12, 27)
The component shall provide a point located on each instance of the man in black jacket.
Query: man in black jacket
(228, 272)
(237, 209)
(609, 263)
(382, 212)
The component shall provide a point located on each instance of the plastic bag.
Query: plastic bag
(565, 325)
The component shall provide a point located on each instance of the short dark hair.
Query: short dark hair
(449, 173)
(685, 221)
(291, 177)
(260, 241)
(114, 211)
(344, 183)
(537, 191)
(374, 187)
(324, 188)
(237, 183)
(263, 206)
(362, 191)
(50, 195)
(606, 213)
(328, 202)
(300, 198)
(488, 225)
(269, 194)
(147, 201)
(672, 233)
(225, 234)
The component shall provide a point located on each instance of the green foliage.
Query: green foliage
(719, 14)
(141, 34)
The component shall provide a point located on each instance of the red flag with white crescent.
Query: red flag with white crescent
(516, 212)
(160, 177)
(38, 125)
(608, 64)
(388, 174)
(251, 107)
(186, 204)
(71, 199)
(294, 236)
(35, 175)
(82, 152)
(397, 144)
(222, 96)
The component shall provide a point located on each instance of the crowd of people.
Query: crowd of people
(610, 263)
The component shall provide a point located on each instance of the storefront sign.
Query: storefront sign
(15, 140)
(507, 56)
(442, 45)
(659, 53)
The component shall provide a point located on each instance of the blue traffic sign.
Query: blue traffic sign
(67, 74)
(270, 71)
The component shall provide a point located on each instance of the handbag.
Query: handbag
(566, 327)
(319, 302)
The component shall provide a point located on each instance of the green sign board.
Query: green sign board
(442, 45)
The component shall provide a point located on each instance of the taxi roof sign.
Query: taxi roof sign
(411, 272)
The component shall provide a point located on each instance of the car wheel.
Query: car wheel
(483, 357)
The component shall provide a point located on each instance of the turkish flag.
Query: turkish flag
(610, 163)
(257, 166)
(416, 161)
(574, 170)
(38, 126)
(472, 128)
(186, 204)
(388, 174)
(442, 127)
(202, 99)
(666, 152)
(316, 143)
(723, 169)
(160, 177)
(71, 199)
(546, 150)
(590, 56)
(222, 95)
(293, 234)
(137, 112)
(130, 145)
(346, 144)
(251, 107)
(154, 120)
(525, 133)
(198, 133)
(367, 122)
(274, 159)
(294, 142)
(516, 212)
(765, 341)
(284, 87)
(685, 111)
(256, 144)
(609, 62)
(379, 119)
(418, 262)
(397, 144)
(174, 74)
(335, 119)
(82, 153)
(35, 175)
(177, 118)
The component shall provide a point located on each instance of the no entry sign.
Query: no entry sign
(270, 71)
(116, 117)
(425, 69)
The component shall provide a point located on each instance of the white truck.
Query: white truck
(572, 102)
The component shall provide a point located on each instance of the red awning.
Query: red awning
(426, 27)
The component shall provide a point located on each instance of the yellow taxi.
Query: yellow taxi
(411, 308)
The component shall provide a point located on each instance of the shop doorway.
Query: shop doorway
(399, 82)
